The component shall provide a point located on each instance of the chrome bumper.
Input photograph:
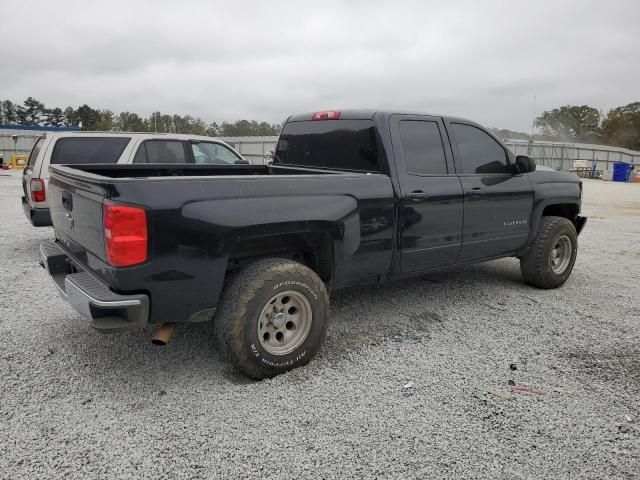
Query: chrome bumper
(108, 311)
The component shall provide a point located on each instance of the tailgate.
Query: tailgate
(76, 212)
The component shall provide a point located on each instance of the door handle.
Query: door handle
(475, 191)
(417, 195)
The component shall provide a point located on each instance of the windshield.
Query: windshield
(213, 153)
(335, 144)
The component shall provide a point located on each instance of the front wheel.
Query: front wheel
(273, 317)
(550, 260)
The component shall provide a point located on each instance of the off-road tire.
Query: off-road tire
(243, 300)
(536, 264)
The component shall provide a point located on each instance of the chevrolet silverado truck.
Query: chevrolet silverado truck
(351, 197)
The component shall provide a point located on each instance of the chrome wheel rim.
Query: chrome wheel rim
(284, 322)
(561, 254)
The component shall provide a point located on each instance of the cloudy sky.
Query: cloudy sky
(264, 60)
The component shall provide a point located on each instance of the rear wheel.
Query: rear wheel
(550, 260)
(273, 317)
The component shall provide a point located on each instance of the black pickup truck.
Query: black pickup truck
(351, 197)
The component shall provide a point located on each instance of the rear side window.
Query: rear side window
(73, 150)
(335, 144)
(161, 151)
(35, 151)
(479, 152)
(422, 148)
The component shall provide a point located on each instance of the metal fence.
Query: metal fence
(253, 149)
(21, 146)
(19, 139)
(562, 156)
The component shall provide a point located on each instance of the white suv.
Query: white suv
(101, 147)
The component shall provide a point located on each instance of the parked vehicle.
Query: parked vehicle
(351, 197)
(102, 147)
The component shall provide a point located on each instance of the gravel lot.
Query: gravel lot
(399, 391)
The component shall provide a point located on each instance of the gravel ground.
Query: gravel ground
(401, 389)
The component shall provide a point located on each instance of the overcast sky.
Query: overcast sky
(264, 60)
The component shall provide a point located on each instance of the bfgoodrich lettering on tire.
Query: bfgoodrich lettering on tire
(273, 317)
(550, 260)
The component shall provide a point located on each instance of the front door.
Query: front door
(431, 201)
(497, 202)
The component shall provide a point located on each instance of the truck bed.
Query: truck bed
(205, 220)
(154, 171)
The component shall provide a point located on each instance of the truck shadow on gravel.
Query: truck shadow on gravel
(408, 311)
(412, 311)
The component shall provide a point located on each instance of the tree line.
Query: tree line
(570, 123)
(620, 127)
(34, 113)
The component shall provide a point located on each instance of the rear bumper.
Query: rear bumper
(107, 311)
(580, 223)
(39, 217)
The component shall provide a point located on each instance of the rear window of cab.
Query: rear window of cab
(73, 150)
(334, 144)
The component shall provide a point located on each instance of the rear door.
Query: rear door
(497, 203)
(431, 203)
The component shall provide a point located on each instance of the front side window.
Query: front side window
(422, 148)
(335, 144)
(35, 151)
(161, 151)
(213, 153)
(74, 150)
(478, 152)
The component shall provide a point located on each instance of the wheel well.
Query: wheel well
(566, 210)
(315, 250)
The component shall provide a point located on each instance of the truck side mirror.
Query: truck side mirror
(525, 164)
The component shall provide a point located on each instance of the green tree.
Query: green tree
(621, 126)
(181, 124)
(130, 122)
(167, 123)
(9, 112)
(213, 130)
(105, 121)
(87, 117)
(198, 127)
(70, 117)
(243, 128)
(32, 112)
(570, 122)
(54, 117)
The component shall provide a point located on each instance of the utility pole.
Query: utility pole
(533, 123)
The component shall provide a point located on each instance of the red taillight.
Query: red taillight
(125, 234)
(332, 115)
(38, 193)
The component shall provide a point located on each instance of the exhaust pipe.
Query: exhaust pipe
(163, 334)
